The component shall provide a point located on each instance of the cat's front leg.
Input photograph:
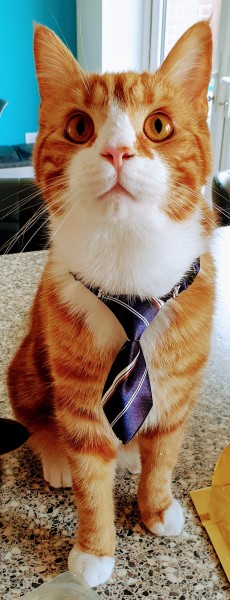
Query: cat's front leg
(92, 462)
(160, 512)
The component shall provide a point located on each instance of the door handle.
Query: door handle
(226, 81)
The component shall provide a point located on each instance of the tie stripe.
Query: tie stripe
(118, 379)
(130, 400)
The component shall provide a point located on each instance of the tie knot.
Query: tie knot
(134, 317)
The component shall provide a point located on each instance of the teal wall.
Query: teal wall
(17, 75)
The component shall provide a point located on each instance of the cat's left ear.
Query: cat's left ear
(56, 67)
(189, 64)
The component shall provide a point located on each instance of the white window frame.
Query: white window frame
(157, 33)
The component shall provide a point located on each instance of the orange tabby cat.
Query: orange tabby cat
(121, 160)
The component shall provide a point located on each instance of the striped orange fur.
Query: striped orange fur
(139, 240)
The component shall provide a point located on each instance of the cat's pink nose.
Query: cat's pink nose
(117, 155)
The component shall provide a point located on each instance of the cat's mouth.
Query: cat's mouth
(114, 192)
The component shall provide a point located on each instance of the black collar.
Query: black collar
(183, 284)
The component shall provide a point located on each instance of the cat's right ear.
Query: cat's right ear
(56, 67)
(188, 65)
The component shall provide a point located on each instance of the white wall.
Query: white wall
(110, 34)
(122, 35)
(89, 34)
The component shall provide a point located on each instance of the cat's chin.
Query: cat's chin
(116, 204)
(117, 192)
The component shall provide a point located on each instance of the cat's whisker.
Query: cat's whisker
(59, 27)
(48, 219)
(38, 214)
(83, 51)
(37, 193)
(41, 187)
(65, 218)
(22, 203)
(177, 184)
(10, 243)
(18, 204)
(177, 199)
(41, 210)
(208, 186)
(193, 192)
(16, 193)
(38, 229)
(176, 204)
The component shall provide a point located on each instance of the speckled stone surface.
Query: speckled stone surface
(38, 524)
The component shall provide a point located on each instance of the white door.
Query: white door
(220, 84)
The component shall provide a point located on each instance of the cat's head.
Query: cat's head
(122, 152)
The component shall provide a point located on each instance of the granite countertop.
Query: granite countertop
(38, 524)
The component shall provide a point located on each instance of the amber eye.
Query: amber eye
(80, 128)
(158, 127)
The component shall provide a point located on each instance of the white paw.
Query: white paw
(134, 465)
(94, 569)
(129, 458)
(57, 472)
(173, 521)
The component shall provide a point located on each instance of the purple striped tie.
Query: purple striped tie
(127, 397)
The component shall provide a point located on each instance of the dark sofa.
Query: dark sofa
(23, 212)
(221, 196)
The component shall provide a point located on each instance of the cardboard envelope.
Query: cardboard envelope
(213, 507)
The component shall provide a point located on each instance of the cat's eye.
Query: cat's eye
(80, 128)
(158, 127)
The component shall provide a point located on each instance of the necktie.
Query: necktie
(127, 397)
